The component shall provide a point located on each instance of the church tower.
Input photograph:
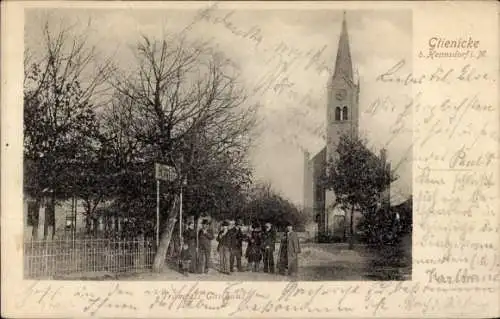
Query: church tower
(342, 118)
(343, 96)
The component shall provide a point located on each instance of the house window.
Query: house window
(338, 114)
(345, 115)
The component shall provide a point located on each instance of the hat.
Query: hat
(225, 223)
(204, 222)
(268, 224)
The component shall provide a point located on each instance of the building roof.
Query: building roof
(404, 204)
(343, 63)
(400, 192)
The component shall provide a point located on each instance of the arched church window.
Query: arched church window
(338, 113)
(345, 115)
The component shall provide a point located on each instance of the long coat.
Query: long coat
(189, 237)
(291, 260)
(205, 239)
(254, 251)
(224, 240)
(236, 240)
(269, 239)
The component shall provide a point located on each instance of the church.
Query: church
(342, 116)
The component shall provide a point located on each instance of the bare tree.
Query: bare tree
(63, 83)
(190, 113)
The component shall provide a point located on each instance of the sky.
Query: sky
(284, 58)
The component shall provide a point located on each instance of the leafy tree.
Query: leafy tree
(94, 179)
(357, 176)
(266, 205)
(60, 128)
(132, 186)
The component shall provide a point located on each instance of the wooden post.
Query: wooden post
(157, 212)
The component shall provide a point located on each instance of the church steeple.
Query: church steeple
(343, 96)
(343, 63)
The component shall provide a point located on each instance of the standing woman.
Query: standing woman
(190, 239)
(224, 248)
(254, 250)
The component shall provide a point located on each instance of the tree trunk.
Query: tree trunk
(34, 232)
(35, 217)
(345, 227)
(165, 237)
(95, 229)
(351, 227)
(88, 223)
(50, 217)
(86, 204)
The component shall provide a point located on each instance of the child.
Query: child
(185, 260)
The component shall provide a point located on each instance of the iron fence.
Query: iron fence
(51, 258)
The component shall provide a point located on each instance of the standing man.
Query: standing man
(237, 237)
(289, 252)
(268, 244)
(190, 239)
(205, 237)
(224, 248)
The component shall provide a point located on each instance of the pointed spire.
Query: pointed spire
(343, 63)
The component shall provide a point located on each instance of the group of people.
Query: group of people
(261, 245)
(196, 251)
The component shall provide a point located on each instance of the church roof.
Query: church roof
(343, 63)
(318, 158)
(399, 192)
(405, 204)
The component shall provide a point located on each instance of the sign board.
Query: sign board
(165, 172)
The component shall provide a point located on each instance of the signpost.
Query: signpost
(180, 219)
(168, 174)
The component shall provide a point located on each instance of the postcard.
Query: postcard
(250, 159)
